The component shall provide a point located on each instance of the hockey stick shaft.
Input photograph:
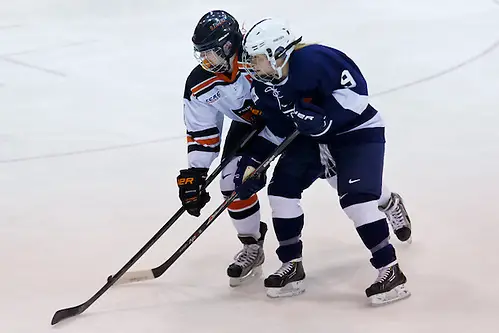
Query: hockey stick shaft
(70, 312)
(153, 273)
(150, 274)
(265, 164)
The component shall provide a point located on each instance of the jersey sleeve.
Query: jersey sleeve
(204, 127)
(333, 75)
(336, 88)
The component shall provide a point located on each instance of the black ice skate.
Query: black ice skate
(389, 286)
(287, 280)
(248, 262)
(397, 215)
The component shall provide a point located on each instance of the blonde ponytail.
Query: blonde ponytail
(302, 45)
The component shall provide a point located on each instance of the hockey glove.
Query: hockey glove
(189, 183)
(310, 119)
(246, 188)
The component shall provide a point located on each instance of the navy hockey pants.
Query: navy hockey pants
(358, 169)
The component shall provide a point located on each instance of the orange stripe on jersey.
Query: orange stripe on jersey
(208, 142)
(242, 204)
(204, 84)
(219, 77)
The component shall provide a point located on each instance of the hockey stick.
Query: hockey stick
(71, 312)
(153, 273)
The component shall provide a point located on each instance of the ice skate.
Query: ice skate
(389, 286)
(248, 262)
(398, 218)
(287, 280)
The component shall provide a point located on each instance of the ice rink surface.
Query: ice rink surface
(92, 138)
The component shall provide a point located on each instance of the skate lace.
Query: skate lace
(247, 255)
(396, 216)
(384, 273)
(285, 269)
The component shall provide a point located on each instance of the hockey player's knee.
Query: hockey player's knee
(285, 207)
(227, 177)
(245, 215)
(364, 213)
(243, 209)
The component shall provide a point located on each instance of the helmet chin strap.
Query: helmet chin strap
(278, 69)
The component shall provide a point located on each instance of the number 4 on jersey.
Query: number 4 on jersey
(347, 79)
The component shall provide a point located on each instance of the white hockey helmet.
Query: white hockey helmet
(273, 39)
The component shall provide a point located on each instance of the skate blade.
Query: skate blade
(289, 290)
(396, 294)
(252, 275)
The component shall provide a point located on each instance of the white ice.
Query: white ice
(92, 138)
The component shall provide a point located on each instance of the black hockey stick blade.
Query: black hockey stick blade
(74, 311)
(67, 313)
(71, 312)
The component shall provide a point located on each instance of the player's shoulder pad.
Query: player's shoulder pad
(195, 80)
(311, 54)
(201, 81)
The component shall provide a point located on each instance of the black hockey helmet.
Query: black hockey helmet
(216, 39)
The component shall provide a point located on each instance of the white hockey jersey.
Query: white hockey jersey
(207, 98)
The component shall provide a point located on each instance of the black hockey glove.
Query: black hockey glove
(189, 183)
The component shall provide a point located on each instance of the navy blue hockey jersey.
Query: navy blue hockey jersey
(333, 82)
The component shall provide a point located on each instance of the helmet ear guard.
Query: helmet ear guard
(228, 49)
(233, 44)
(281, 51)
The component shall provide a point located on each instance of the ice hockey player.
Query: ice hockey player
(322, 92)
(214, 88)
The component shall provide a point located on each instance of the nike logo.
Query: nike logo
(342, 196)
(352, 181)
(225, 176)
